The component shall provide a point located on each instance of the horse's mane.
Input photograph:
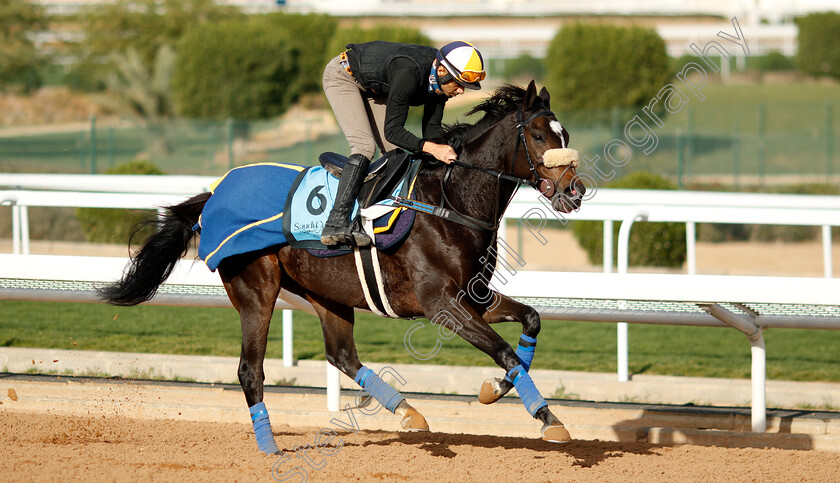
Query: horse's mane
(504, 101)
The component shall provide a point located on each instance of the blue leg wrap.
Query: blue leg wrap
(528, 393)
(525, 351)
(262, 429)
(387, 396)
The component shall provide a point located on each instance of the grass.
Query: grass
(802, 355)
(720, 137)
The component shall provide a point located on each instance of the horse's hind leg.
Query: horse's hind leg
(509, 310)
(340, 349)
(253, 284)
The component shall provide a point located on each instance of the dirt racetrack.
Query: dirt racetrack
(44, 447)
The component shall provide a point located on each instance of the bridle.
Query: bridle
(534, 181)
(520, 141)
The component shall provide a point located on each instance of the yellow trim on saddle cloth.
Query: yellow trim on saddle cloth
(215, 184)
(297, 168)
(246, 227)
(396, 213)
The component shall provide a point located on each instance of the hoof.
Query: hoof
(491, 391)
(555, 434)
(414, 421)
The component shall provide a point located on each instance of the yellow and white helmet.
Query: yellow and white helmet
(463, 63)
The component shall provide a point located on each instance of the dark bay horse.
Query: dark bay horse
(515, 142)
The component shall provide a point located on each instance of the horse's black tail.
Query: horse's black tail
(153, 262)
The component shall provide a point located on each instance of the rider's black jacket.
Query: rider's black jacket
(399, 74)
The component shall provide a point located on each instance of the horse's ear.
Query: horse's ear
(546, 97)
(530, 94)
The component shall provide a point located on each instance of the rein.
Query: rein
(454, 215)
(520, 140)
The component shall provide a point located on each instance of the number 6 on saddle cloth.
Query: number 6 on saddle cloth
(267, 204)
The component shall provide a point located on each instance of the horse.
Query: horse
(515, 142)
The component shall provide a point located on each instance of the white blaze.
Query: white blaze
(558, 128)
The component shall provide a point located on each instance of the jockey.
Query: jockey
(370, 88)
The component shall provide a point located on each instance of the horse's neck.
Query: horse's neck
(479, 194)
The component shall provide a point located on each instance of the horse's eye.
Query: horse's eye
(538, 138)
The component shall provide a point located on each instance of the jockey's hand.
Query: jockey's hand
(442, 152)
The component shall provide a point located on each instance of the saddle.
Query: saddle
(382, 178)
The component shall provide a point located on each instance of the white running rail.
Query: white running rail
(637, 298)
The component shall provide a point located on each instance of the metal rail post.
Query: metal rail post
(758, 373)
(608, 246)
(333, 388)
(24, 228)
(16, 229)
(288, 354)
(623, 260)
(828, 263)
(691, 247)
(93, 144)
(829, 139)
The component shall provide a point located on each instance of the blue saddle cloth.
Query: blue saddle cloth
(262, 205)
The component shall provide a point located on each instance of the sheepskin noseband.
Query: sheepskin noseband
(560, 157)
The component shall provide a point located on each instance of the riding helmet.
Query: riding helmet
(464, 64)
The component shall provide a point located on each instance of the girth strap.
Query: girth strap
(370, 275)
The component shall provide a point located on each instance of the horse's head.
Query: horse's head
(545, 157)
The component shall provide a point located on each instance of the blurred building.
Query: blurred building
(509, 28)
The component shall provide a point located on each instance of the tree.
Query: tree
(310, 36)
(133, 39)
(599, 67)
(239, 69)
(524, 68)
(133, 42)
(146, 25)
(19, 60)
(819, 49)
(651, 244)
(144, 91)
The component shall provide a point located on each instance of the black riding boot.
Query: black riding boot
(338, 228)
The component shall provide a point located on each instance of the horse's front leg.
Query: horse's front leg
(505, 309)
(474, 329)
(253, 288)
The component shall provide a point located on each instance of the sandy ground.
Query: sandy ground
(46, 447)
(54, 448)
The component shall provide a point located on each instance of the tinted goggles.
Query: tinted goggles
(471, 76)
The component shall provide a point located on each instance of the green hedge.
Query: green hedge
(20, 60)
(819, 48)
(524, 68)
(771, 62)
(310, 36)
(775, 61)
(238, 69)
(651, 244)
(599, 67)
(102, 225)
